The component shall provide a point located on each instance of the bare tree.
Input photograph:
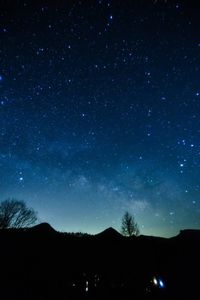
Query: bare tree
(129, 225)
(15, 214)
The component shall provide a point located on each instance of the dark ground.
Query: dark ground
(42, 264)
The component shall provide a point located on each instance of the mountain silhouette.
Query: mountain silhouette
(188, 237)
(42, 261)
(189, 234)
(43, 228)
(109, 233)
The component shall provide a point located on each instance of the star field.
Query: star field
(100, 112)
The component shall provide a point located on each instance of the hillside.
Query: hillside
(42, 261)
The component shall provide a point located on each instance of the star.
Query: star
(96, 116)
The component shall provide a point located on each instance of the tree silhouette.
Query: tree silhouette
(15, 214)
(129, 226)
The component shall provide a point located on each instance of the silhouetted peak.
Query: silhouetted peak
(109, 233)
(43, 227)
(151, 237)
(189, 234)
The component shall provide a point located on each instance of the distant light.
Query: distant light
(158, 282)
(155, 281)
(161, 284)
(86, 286)
(1, 78)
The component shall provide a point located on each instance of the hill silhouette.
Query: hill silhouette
(189, 234)
(109, 233)
(41, 263)
(42, 228)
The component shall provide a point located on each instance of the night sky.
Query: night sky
(100, 112)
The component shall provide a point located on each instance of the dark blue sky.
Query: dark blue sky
(100, 112)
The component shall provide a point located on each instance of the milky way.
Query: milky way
(100, 112)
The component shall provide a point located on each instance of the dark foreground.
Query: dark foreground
(42, 264)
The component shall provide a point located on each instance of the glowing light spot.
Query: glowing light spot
(86, 286)
(158, 282)
(161, 284)
(155, 281)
